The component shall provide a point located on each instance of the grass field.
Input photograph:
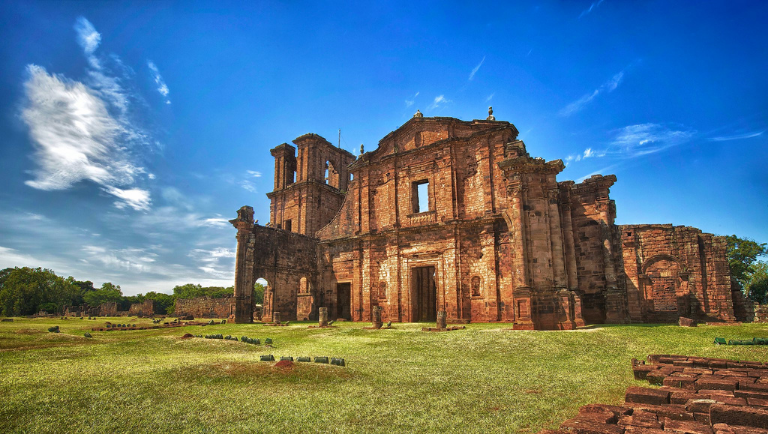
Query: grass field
(482, 379)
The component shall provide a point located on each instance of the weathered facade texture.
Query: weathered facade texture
(456, 216)
(205, 307)
(145, 309)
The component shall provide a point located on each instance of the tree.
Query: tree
(25, 291)
(742, 254)
(162, 301)
(757, 287)
(106, 294)
(258, 293)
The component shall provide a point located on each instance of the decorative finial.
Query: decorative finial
(490, 117)
(418, 114)
(362, 149)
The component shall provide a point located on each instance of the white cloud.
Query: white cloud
(248, 185)
(136, 198)
(475, 69)
(438, 101)
(591, 7)
(608, 86)
(216, 221)
(216, 262)
(254, 173)
(162, 88)
(737, 136)
(151, 176)
(596, 172)
(87, 36)
(76, 139)
(410, 102)
(642, 139)
(132, 260)
(490, 97)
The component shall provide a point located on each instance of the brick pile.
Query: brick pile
(697, 396)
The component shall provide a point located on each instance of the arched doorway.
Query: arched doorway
(664, 289)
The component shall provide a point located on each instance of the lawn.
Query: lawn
(483, 379)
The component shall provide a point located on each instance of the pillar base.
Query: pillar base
(523, 325)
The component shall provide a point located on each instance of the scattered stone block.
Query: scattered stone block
(686, 322)
(686, 427)
(645, 395)
(739, 415)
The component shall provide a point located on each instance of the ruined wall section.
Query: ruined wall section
(595, 255)
(674, 271)
(283, 259)
(321, 176)
(145, 309)
(205, 307)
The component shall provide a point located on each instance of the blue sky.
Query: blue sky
(132, 132)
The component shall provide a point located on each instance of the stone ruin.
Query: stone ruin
(698, 395)
(457, 216)
(205, 307)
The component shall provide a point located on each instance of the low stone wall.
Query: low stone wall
(205, 307)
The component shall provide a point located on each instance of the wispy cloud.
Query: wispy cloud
(81, 131)
(254, 173)
(439, 100)
(635, 141)
(89, 39)
(643, 139)
(475, 69)
(600, 171)
(608, 86)
(490, 97)
(590, 8)
(76, 139)
(409, 102)
(588, 153)
(737, 136)
(248, 185)
(215, 262)
(162, 88)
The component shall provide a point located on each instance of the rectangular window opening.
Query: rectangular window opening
(420, 196)
(287, 225)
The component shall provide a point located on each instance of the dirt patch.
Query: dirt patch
(188, 336)
(284, 364)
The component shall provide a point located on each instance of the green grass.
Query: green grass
(482, 379)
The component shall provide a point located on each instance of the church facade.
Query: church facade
(456, 216)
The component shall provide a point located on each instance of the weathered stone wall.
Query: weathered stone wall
(108, 309)
(204, 307)
(497, 238)
(145, 309)
(674, 271)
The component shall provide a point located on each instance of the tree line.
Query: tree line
(27, 291)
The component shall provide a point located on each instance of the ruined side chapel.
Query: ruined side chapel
(456, 216)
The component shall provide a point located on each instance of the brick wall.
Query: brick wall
(204, 307)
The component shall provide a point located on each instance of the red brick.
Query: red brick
(682, 382)
(645, 395)
(699, 405)
(643, 421)
(716, 384)
(686, 427)
(739, 415)
(587, 426)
